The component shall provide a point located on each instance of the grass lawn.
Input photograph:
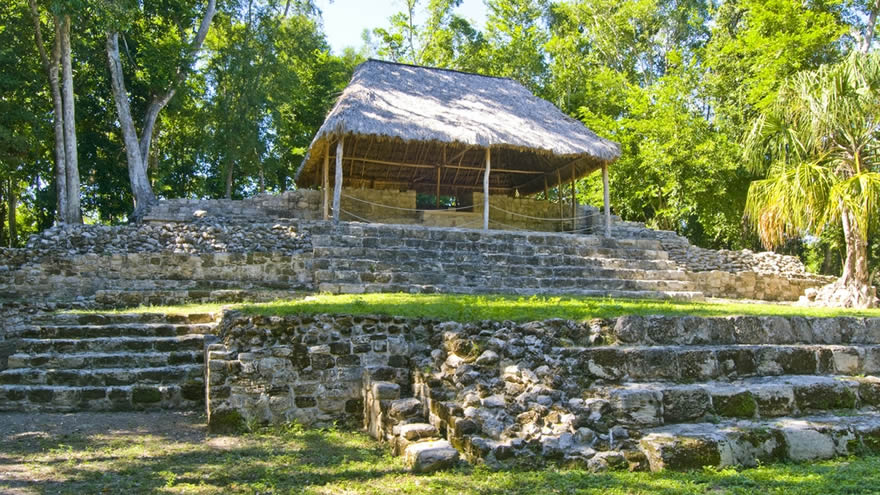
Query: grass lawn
(132, 453)
(475, 308)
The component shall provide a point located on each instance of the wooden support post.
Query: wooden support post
(438, 188)
(573, 203)
(486, 190)
(546, 193)
(606, 199)
(337, 186)
(326, 181)
(559, 198)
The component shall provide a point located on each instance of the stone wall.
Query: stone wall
(210, 254)
(379, 205)
(506, 393)
(80, 276)
(271, 369)
(303, 204)
(752, 285)
(506, 212)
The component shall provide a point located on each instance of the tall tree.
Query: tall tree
(137, 148)
(68, 209)
(818, 144)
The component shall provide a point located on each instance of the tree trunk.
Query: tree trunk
(52, 67)
(2, 215)
(853, 289)
(229, 170)
(137, 151)
(869, 30)
(137, 165)
(72, 215)
(12, 196)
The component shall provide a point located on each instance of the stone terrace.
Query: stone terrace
(638, 392)
(172, 262)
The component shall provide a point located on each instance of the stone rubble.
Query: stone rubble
(189, 238)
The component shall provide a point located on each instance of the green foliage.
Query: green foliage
(675, 82)
(818, 144)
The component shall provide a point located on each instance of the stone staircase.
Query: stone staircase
(740, 393)
(402, 423)
(102, 362)
(355, 258)
(654, 392)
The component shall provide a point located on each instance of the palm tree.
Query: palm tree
(818, 146)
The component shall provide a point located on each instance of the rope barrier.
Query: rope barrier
(479, 222)
(561, 219)
(458, 208)
(404, 209)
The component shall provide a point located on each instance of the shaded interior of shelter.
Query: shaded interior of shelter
(450, 170)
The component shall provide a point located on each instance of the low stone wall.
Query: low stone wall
(81, 276)
(503, 392)
(754, 286)
(506, 212)
(302, 204)
(379, 205)
(270, 369)
(203, 236)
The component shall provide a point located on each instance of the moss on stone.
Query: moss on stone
(741, 405)
(193, 390)
(226, 421)
(145, 395)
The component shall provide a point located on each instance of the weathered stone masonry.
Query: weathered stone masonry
(272, 369)
(643, 392)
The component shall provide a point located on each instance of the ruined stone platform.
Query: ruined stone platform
(631, 392)
(201, 261)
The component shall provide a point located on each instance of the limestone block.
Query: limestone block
(426, 457)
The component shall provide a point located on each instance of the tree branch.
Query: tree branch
(160, 101)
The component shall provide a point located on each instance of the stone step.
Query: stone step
(47, 398)
(399, 252)
(110, 318)
(702, 363)
(667, 330)
(557, 270)
(102, 377)
(115, 330)
(392, 259)
(750, 442)
(93, 360)
(351, 232)
(173, 297)
(500, 281)
(90, 284)
(360, 288)
(112, 344)
(500, 284)
(654, 404)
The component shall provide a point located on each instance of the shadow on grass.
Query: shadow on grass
(315, 461)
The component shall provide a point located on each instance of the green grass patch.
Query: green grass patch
(475, 308)
(182, 309)
(292, 459)
(467, 308)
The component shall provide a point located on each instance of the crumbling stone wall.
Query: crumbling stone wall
(213, 254)
(505, 393)
(271, 369)
(302, 204)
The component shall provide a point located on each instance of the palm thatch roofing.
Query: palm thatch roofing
(427, 129)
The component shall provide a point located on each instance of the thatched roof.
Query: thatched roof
(401, 123)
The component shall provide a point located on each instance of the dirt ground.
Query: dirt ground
(25, 435)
